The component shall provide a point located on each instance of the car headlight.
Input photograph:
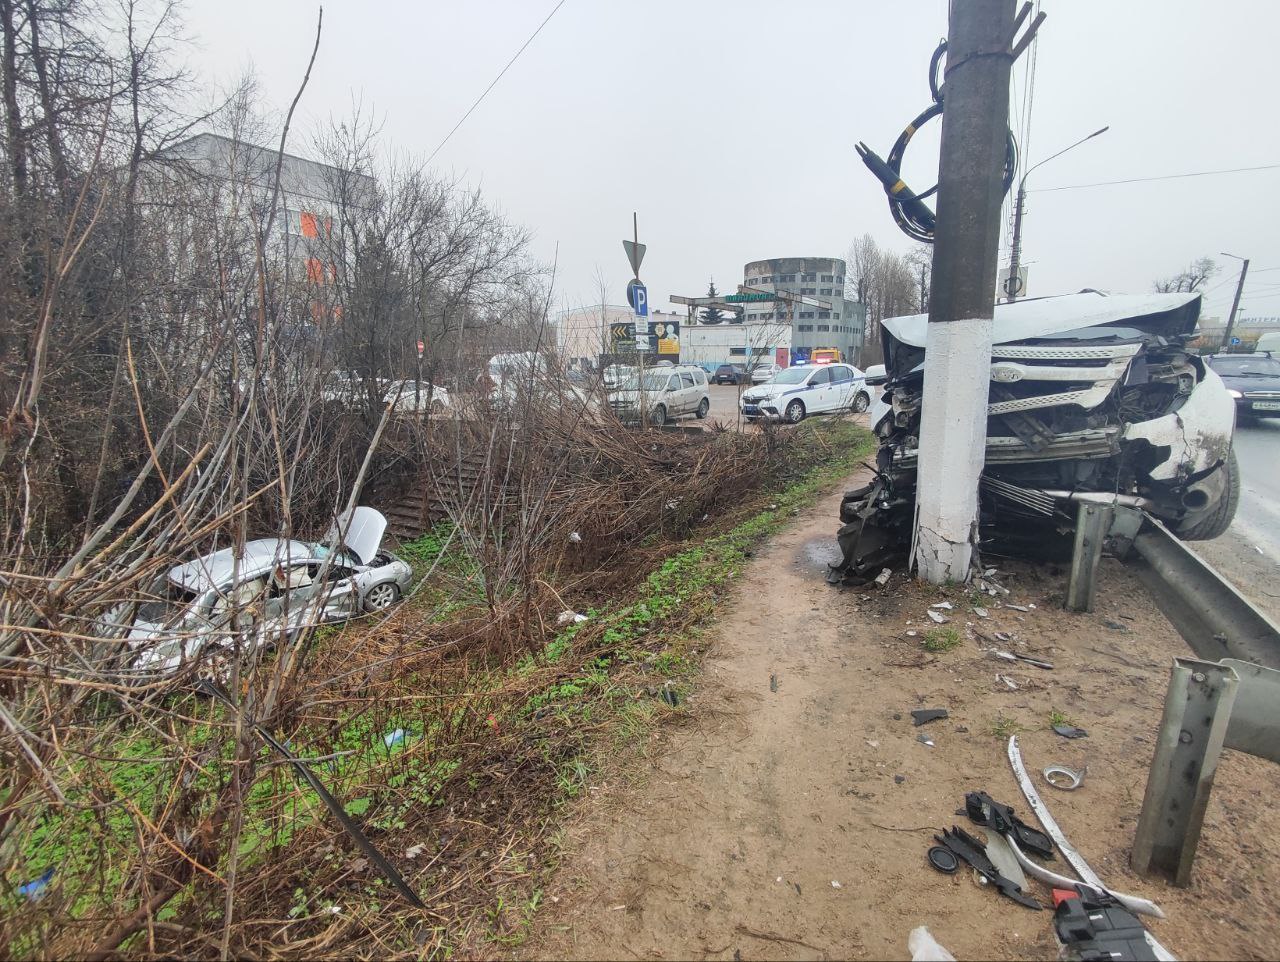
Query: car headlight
(1234, 393)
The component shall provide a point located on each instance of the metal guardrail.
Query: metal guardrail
(1209, 611)
(1227, 698)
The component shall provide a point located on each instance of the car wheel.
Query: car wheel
(1215, 522)
(861, 402)
(795, 412)
(382, 596)
(704, 406)
(658, 416)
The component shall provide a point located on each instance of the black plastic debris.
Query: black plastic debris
(965, 846)
(922, 715)
(984, 810)
(943, 859)
(670, 696)
(1070, 731)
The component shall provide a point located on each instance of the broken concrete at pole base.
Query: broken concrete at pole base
(1088, 396)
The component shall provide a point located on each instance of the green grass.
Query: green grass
(938, 640)
(1003, 726)
(1060, 718)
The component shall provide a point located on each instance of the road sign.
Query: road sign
(635, 254)
(1235, 341)
(638, 298)
(1010, 285)
(667, 335)
(422, 347)
(623, 337)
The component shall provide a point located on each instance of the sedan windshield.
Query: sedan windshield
(792, 375)
(167, 601)
(1246, 366)
(652, 382)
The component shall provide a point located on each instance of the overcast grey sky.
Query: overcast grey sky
(730, 125)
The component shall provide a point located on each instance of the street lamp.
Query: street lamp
(1235, 304)
(1015, 253)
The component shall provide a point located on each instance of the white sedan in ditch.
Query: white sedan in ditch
(273, 587)
(799, 392)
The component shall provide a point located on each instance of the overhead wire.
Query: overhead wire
(494, 82)
(1140, 180)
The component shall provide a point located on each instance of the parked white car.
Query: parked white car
(662, 394)
(274, 586)
(417, 397)
(799, 392)
(764, 372)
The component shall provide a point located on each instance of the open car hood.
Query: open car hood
(363, 528)
(1168, 315)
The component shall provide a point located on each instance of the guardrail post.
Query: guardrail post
(1197, 713)
(1092, 522)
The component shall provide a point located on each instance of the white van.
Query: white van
(1268, 343)
(658, 395)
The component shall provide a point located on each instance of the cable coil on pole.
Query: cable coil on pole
(909, 210)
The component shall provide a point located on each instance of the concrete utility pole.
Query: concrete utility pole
(1235, 304)
(953, 423)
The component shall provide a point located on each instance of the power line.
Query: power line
(495, 81)
(1139, 180)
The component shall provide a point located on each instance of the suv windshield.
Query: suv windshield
(655, 381)
(1246, 366)
(792, 375)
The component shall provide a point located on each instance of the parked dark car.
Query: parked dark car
(1253, 380)
(729, 374)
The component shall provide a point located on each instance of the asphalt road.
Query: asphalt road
(1249, 553)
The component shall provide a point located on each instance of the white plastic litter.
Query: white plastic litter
(940, 619)
(946, 605)
(574, 537)
(568, 617)
(882, 578)
(925, 948)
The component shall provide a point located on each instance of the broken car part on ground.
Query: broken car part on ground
(1092, 397)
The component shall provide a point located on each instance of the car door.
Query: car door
(817, 395)
(688, 392)
(840, 396)
(672, 398)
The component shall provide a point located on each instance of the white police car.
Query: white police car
(798, 392)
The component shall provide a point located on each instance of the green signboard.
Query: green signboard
(741, 298)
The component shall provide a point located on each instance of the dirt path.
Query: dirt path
(793, 823)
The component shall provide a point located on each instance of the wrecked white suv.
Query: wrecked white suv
(1090, 393)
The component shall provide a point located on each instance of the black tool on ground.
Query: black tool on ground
(922, 715)
(984, 810)
(943, 859)
(909, 211)
(968, 848)
(1092, 928)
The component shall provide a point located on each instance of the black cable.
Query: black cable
(912, 215)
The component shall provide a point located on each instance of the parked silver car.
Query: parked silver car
(274, 586)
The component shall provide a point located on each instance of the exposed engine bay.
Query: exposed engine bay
(1092, 396)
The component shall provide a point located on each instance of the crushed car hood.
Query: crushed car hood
(363, 527)
(1168, 315)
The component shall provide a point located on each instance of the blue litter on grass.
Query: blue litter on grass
(35, 890)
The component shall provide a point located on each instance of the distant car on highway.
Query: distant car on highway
(729, 374)
(1252, 380)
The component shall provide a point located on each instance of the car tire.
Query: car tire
(861, 401)
(381, 596)
(795, 412)
(1216, 521)
(704, 408)
(658, 416)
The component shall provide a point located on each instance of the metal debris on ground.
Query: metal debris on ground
(1014, 656)
(1017, 607)
(921, 716)
(1070, 731)
(1067, 779)
(925, 740)
(1009, 682)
